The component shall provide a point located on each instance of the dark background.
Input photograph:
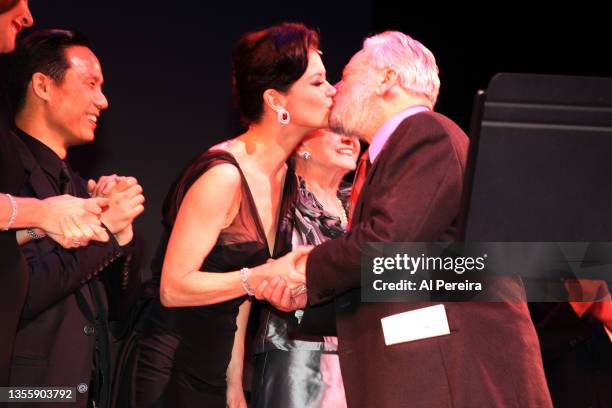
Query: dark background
(167, 67)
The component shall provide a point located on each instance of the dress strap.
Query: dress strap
(193, 171)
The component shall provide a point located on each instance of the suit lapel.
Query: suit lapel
(42, 187)
(36, 176)
(359, 205)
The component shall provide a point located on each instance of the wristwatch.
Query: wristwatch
(33, 234)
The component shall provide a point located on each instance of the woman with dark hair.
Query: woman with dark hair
(222, 220)
(70, 221)
(301, 368)
(14, 16)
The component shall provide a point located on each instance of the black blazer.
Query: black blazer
(490, 358)
(66, 311)
(577, 356)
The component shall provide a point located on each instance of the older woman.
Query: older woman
(222, 219)
(301, 368)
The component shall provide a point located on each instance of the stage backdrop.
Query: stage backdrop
(167, 68)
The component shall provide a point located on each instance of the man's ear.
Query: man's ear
(41, 85)
(386, 79)
(274, 99)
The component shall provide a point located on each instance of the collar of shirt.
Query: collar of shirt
(383, 134)
(46, 158)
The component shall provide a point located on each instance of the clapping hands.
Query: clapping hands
(125, 203)
(73, 222)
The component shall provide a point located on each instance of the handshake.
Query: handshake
(282, 282)
(73, 222)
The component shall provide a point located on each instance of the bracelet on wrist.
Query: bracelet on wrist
(33, 234)
(244, 275)
(13, 212)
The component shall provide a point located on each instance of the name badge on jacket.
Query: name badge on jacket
(415, 325)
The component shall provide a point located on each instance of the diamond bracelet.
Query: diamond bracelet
(244, 274)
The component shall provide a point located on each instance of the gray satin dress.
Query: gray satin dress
(294, 369)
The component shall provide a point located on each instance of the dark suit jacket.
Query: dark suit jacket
(577, 356)
(63, 320)
(490, 358)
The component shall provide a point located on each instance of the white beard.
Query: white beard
(353, 115)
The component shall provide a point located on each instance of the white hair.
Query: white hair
(413, 62)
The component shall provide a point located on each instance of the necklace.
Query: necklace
(340, 208)
(342, 213)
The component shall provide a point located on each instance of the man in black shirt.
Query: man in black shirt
(64, 337)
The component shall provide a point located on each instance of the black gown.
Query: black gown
(181, 355)
(13, 273)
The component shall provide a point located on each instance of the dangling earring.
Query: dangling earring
(283, 116)
(306, 155)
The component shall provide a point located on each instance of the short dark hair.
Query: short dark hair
(41, 51)
(273, 58)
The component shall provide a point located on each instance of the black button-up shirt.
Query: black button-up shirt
(49, 161)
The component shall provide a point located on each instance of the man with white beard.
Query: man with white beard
(409, 190)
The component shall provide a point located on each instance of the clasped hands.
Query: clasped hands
(125, 203)
(283, 281)
(74, 222)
